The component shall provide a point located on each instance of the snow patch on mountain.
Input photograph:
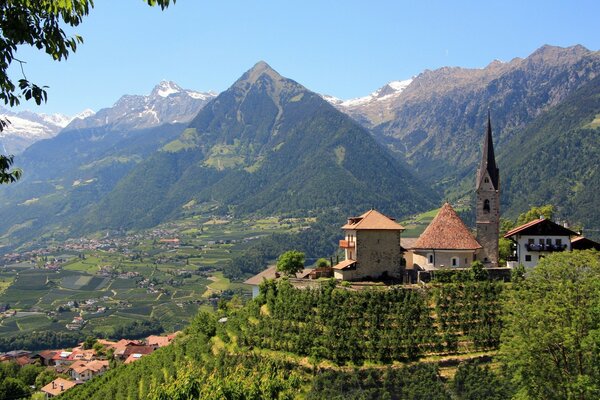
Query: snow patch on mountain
(387, 92)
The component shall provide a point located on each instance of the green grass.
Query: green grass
(90, 265)
(417, 224)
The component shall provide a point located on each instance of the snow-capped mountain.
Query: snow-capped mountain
(27, 127)
(379, 102)
(167, 103)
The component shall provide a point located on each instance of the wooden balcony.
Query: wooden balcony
(546, 247)
(346, 244)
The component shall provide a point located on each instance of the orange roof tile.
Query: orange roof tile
(374, 220)
(344, 264)
(58, 386)
(447, 232)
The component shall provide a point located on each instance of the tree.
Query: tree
(37, 24)
(478, 272)
(551, 336)
(536, 212)
(89, 342)
(322, 263)
(290, 262)
(13, 388)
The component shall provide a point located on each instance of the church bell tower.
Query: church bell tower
(487, 189)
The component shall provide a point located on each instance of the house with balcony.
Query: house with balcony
(535, 240)
(371, 248)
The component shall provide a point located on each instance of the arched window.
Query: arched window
(430, 259)
(486, 180)
(486, 205)
(455, 261)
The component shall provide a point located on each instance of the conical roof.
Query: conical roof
(374, 220)
(488, 160)
(447, 232)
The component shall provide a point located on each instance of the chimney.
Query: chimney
(62, 387)
(53, 385)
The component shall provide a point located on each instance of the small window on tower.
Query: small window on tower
(486, 205)
(486, 180)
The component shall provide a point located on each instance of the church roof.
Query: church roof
(488, 160)
(446, 232)
(374, 220)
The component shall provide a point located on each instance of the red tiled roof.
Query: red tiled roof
(374, 220)
(344, 264)
(447, 232)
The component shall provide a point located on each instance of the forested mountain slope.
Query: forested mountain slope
(266, 145)
(437, 121)
(555, 160)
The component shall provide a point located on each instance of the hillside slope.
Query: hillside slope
(555, 161)
(437, 121)
(267, 145)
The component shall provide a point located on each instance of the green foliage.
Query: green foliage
(137, 329)
(290, 262)
(6, 175)
(474, 381)
(89, 342)
(550, 340)
(322, 263)
(419, 381)
(371, 325)
(40, 340)
(13, 388)
(203, 323)
(471, 309)
(504, 249)
(478, 272)
(517, 274)
(45, 377)
(536, 212)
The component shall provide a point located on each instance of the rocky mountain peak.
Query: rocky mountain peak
(166, 103)
(260, 69)
(165, 89)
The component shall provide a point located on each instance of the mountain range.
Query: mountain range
(269, 145)
(25, 128)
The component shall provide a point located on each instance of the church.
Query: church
(374, 247)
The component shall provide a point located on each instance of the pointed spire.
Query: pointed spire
(488, 160)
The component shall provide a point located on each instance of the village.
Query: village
(92, 358)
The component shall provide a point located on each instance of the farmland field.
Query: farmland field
(133, 278)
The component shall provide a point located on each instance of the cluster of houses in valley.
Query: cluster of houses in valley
(374, 248)
(81, 364)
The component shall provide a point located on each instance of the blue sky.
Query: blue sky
(343, 48)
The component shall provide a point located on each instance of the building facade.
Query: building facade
(371, 248)
(535, 240)
(487, 191)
